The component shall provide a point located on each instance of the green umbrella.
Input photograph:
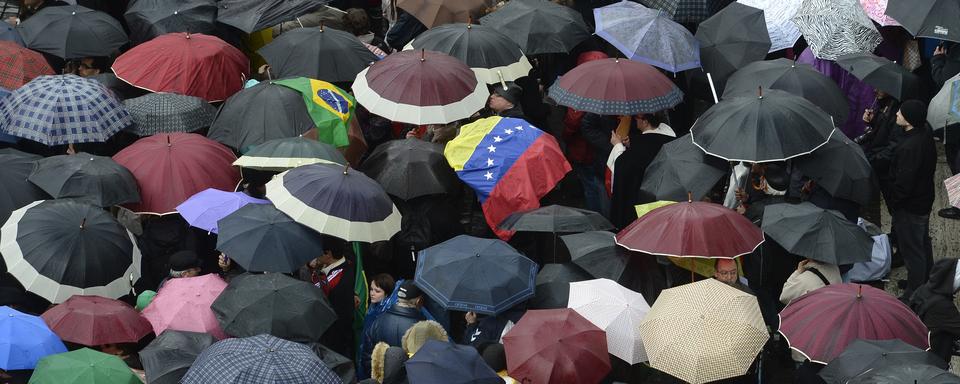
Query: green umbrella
(83, 366)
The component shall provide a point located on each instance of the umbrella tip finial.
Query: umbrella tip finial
(168, 141)
(345, 168)
(423, 55)
(689, 196)
(321, 26)
(83, 222)
(502, 82)
(469, 22)
(760, 92)
(859, 290)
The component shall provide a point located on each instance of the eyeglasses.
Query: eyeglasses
(727, 273)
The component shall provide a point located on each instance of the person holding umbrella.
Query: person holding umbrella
(333, 273)
(877, 142)
(630, 166)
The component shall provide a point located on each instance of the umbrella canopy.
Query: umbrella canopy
(448, 89)
(682, 168)
(778, 15)
(204, 209)
(935, 19)
(5, 138)
(64, 109)
(253, 15)
(17, 191)
(261, 238)
(882, 74)
(95, 320)
(867, 355)
(168, 357)
(539, 26)
(183, 304)
(615, 87)
(467, 273)
(263, 112)
(876, 10)
(617, 311)
(916, 374)
(155, 113)
(556, 346)
(940, 112)
(821, 323)
(72, 32)
(282, 154)
(97, 180)
(796, 78)
(556, 219)
(952, 184)
(411, 168)
(60, 248)
(188, 64)
(10, 33)
(597, 253)
(443, 362)
(552, 288)
(19, 65)
(731, 39)
(491, 54)
(338, 363)
(703, 331)
(171, 167)
(647, 35)
(433, 13)
(83, 366)
(259, 359)
(318, 53)
(26, 340)
(151, 18)
(336, 201)
(835, 28)
(842, 169)
(816, 233)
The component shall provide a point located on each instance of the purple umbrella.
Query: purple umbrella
(204, 209)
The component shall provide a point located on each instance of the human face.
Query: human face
(376, 293)
(192, 272)
(498, 104)
(726, 272)
(901, 121)
(86, 68)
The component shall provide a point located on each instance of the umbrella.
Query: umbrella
(935, 19)
(491, 54)
(337, 363)
(703, 331)
(816, 233)
(121, 90)
(318, 53)
(876, 10)
(151, 18)
(556, 219)
(597, 253)
(778, 15)
(840, 168)
(282, 154)
(868, 355)
(774, 126)
(448, 89)
(336, 201)
(60, 248)
(731, 39)
(796, 78)
(204, 209)
(835, 28)
(539, 26)
(274, 304)
(26, 340)
(821, 323)
(57, 110)
(616, 310)
(897, 374)
(410, 168)
(615, 87)
(952, 185)
(647, 35)
(155, 113)
(19, 65)
(183, 304)
(5, 138)
(682, 168)
(188, 64)
(72, 32)
(168, 357)
(882, 74)
(254, 15)
(552, 288)
(443, 362)
(467, 273)
(10, 33)
(258, 114)
(17, 191)
(171, 167)
(83, 366)
(433, 13)
(259, 359)
(97, 180)
(95, 320)
(556, 346)
(261, 238)
(941, 111)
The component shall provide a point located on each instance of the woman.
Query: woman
(382, 296)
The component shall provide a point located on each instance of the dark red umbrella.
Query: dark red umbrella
(556, 346)
(188, 64)
(821, 323)
(616, 87)
(95, 320)
(171, 167)
(19, 65)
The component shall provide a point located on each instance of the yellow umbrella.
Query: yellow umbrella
(643, 209)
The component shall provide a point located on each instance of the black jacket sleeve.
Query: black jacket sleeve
(904, 173)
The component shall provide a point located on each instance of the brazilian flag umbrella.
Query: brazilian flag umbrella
(330, 108)
(81, 367)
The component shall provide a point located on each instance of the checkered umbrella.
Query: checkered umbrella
(668, 7)
(156, 113)
(63, 109)
(19, 65)
(614, 309)
(648, 35)
(692, 11)
(259, 359)
(836, 27)
(778, 14)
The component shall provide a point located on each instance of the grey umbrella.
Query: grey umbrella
(94, 179)
(598, 254)
(337, 363)
(552, 288)
(318, 53)
(254, 15)
(556, 219)
(263, 112)
(789, 76)
(279, 155)
(539, 26)
(17, 191)
(906, 373)
(938, 113)
(841, 168)
(882, 74)
(816, 233)
(835, 28)
(865, 355)
(168, 357)
(934, 19)
(732, 38)
(155, 113)
(260, 238)
(151, 18)
(681, 168)
(72, 32)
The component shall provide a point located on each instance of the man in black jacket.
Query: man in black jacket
(933, 303)
(392, 324)
(337, 278)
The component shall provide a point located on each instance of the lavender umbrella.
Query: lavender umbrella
(648, 35)
(204, 209)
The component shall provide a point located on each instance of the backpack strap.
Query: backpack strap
(819, 274)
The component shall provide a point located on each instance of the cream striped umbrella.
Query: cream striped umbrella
(616, 310)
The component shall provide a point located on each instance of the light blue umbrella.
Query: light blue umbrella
(648, 35)
(24, 340)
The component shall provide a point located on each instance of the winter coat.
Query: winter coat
(943, 67)
(801, 282)
(339, 337)
(912, 166)
(491, 329)
(933, 303)
(404, 30)
(389, 328)
(628, 175)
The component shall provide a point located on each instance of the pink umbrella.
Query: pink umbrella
(183, 304)
(877, 11)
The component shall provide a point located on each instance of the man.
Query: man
(877, 141)
(391, 325)
(505, 101)
(809, 276)
(183, 264)
(933, 303)
(337, 277)
(644, 143)
(87, 66)
(912, 165)
(725, 271)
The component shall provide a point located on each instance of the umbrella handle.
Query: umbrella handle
(713, 89)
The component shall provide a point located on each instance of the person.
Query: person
(945, 63)
(638, 151)
(490, 329)
(394, 323)
(912, 167)
(357, 22)
(725, 271)
(877, 142)
(505, 101)
(418, 334)
(381, 299)
(933, 303)
(183, 264)
(336, 277)
(87, 66)
(387, 365)
(809, 276)
(583, 155)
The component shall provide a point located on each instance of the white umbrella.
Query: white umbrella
(616, 310)
(778, 14)
(938, 113)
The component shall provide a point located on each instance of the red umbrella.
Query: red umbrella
(171, 167)
(821, 323)
(692, 229)
(616, 87)
(187, 64)
(556, 346)
(19, 65)
(95, 320)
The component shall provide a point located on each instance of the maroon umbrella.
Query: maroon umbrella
(95, 320)
(821, 323)
(616, 87)
(556, 346)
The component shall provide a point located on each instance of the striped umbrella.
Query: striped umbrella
(779, 14)
(835, 28)
(953, 190)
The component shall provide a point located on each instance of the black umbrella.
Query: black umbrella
(772, 126)
(279, 155)
(730, 39)
(841, 168)
(410, 168)
(254, 15)
(681, 168)
(491, 54)
(597, 253)
(906, 374)
(72, 32)
(151, 18)
(816, 233)
(796, 78)
(882, 74)
(318, 53)
(120, 89)
(260, 113)
(155, 113)
(274, 304)
(260, 238)
(168, 357)
(552, 288)
(865, 355)
(556, 219)
(539, 26)
(337, 363)
(17, 191)
(97, 180)
(935, 19)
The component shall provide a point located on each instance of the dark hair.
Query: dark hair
(336, 246)
(100, 62)
(385, 282)
(356, 21)
(655, 119)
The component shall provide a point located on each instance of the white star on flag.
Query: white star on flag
(508, 131)
(497, 139)
(489, 162)
(492, 148)
(519, 128)
(489, 175)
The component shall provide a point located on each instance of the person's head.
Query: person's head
(725, 270)
(880, 95)
(184, 264)
(493, 354)
(92, 66)
(409, 294)
(381, 285)
(421, 332)
(648, 121)
(912, 114)
(503, 98)
(356, 22)
(334, 249)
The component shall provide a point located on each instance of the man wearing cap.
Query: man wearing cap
(505, 101)
(394, 323)
(183, 264)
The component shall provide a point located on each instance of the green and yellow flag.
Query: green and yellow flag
(331, 108)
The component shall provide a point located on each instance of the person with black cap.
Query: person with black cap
(505, 100)
(183, 264)
(394, 323)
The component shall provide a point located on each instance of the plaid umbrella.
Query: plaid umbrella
(692, 11)
(72, 32)
(614, 309)
(834, 28)
(64, 109)
(647, 35)
(877, 11)
(156, 113)
(19, 65)
(259, 359)
(667, 6)
(778, 14)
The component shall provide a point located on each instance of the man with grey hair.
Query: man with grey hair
(182, 264)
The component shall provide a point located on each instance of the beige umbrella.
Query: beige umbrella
(703, 332)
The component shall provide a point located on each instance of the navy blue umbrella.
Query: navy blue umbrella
(260, 238)
(443, 362)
